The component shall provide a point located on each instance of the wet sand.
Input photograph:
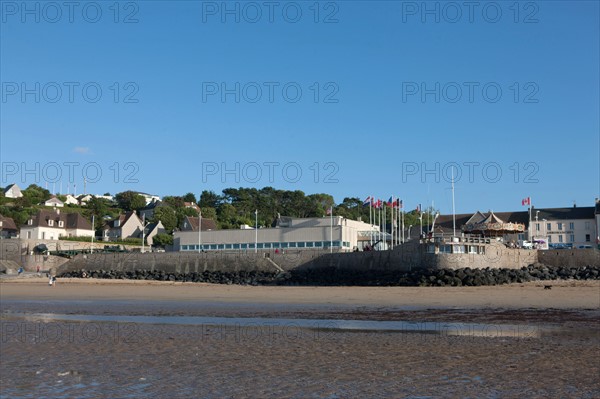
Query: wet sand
(120, 359)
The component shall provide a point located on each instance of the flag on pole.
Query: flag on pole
(526, 201)
(329, 211)
(390, 202)
(418, 208)
(400, 204)
(367, 201)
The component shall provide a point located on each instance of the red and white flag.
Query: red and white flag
(526, 201)
(329, 211)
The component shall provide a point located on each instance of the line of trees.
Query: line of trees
(230, 209)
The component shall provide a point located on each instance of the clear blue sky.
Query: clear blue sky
(369, 132)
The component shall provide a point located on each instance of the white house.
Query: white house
(55, 202)
(71, 200)
(13, 191)
(125, 226)
(52, 224)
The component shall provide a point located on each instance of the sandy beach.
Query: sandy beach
(153, 340)
(562, 295)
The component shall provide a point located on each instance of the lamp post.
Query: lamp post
(200, 231)
(93, 234)
(256, 231)
(433, 224)
(409, 227)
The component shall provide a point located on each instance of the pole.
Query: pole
(392, 222)
(199, 230)
(143, 230)
(371, 220)
(93, 234)
(256, 231)
(421, 220)
(453, 207)
(331, 236)
(529, 226)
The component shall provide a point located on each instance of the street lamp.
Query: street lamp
(256, 231)
(409, 227)
(437, 214)
(200, 231)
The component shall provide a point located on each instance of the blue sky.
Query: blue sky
(393, 98)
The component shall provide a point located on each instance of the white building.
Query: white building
(294, 233)
(55, 202)
(566, 227)
(52, 224)
(13, 191)
(148, 197)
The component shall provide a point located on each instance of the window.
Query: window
(260, 245)
(445, 249)
(537, 227)
(301, 244)
(559, 226)
(587, 238)
(520, 236)
(51, 223)
(572, 238)
(30, 222)
(43, 235)
(588, 225)
(244, 246)
(549, 239)
(236, 246)
(571, 226)
(458, 249)
(472, 249)
(549, 226)
(284, 245)
(29, 235)
(309, 244)
(61, 223)
(560, 238)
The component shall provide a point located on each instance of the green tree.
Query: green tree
(161, 240)
(36, 194)
(209, 199)
(130, 201)
(190, 197)
(166, 215)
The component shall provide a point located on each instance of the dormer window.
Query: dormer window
(50, 222)
(61, 223)
(30, 222)
(117, 223)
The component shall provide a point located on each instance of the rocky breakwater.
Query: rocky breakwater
(337, 277)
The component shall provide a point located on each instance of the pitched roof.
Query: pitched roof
(207, 224)
(70, 220)
(7, 223)
(123, 218)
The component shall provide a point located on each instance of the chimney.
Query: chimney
(57, 211)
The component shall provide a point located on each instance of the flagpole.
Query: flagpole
(371, 220)
(392, 219)
(529, 226)
(453, 207)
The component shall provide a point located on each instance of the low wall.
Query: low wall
(188, 262)
(570, 257)
(405, 258)
(20, 250)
